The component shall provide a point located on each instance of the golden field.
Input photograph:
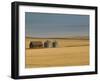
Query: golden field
(70, 52)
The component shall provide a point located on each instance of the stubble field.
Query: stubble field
(70, 52)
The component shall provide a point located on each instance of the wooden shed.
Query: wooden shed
(36, 44)
(50, 44)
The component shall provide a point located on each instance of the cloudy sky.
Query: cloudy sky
(55, 25)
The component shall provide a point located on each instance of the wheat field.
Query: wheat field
(70, 52)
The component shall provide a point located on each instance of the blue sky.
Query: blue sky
(55, 25)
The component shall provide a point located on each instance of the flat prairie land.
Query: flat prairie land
(70, 52)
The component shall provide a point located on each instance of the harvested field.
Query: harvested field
(70, 52)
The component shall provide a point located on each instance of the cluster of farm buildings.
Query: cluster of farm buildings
(45, 44)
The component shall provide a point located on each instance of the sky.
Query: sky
(55, 25)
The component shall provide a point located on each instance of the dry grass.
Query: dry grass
(71, 52)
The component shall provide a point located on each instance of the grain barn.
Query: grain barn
(36, 44)
(50, 44)
(54, 44)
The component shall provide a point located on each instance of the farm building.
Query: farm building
(36, 44)
(50, 44)
(54, 44)
(46, 44)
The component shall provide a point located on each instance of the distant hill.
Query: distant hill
(76, 37)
